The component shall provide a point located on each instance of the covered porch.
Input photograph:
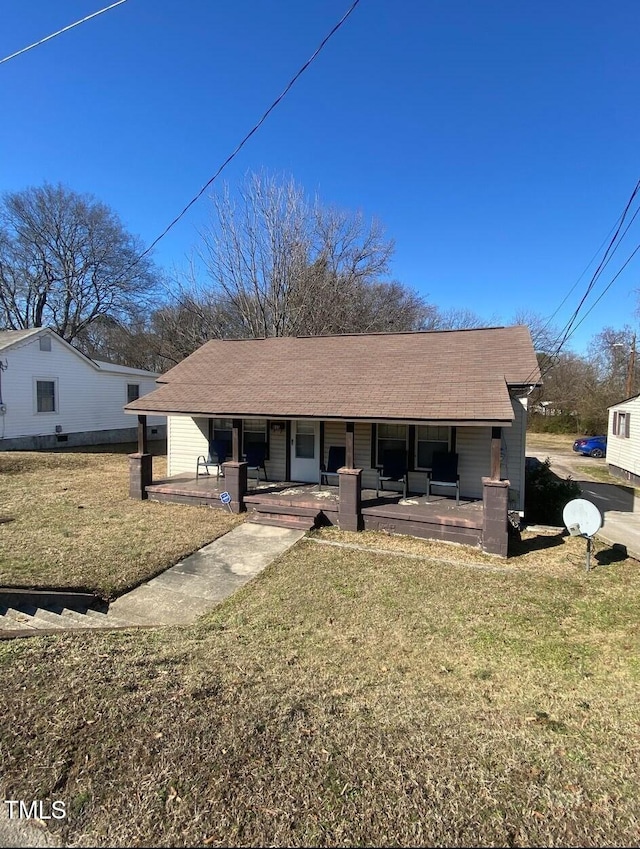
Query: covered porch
(352, 504)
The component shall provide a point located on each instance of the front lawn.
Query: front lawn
(66, 521)
(349, 697)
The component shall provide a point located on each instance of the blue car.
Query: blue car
(591, 446)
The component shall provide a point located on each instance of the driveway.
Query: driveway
(617, 502)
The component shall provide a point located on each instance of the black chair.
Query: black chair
(393, 468)
(255, 455)
(335, 460)
(444, 472)
(218, 453)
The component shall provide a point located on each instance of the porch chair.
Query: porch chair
(255, 455)
(444, 472)
(336, 459)
(218, 451)
(393, 468)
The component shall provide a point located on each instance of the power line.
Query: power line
(570, 327)
(255, 128)
(60, 31)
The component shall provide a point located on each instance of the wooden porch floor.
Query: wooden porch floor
(435, 509)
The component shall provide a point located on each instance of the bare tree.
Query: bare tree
(278, 264)
(65, 261)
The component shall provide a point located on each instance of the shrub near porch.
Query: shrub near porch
(66, 521)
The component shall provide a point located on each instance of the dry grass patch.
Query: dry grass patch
(345, 698)
(550, 441)
(73, 524)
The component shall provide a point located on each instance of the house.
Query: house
(52, 394)
(460, 392)
(623, 440)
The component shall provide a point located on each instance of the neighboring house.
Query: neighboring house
(459, 391)
(51, 394)
(623, 440)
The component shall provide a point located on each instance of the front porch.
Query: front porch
(307, 505)
(480, 519)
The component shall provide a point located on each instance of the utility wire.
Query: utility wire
(60, 31)
(255, 128)
(569, 328)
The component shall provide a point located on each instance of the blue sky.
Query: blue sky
(496, 141)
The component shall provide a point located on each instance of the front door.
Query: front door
(305, 451)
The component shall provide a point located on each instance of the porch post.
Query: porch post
(235, 481)
(140, 465)
(350, 447)
(236, 439)
(495, 535)
(142, 435)
(496, 440)
(350, 507)
(140, 475)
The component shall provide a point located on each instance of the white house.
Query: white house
(52, 394)
(623, 440)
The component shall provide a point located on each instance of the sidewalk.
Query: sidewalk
(201, 581)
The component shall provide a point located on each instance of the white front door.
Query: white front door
(305, 451)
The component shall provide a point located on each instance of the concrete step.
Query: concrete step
(10, 623)
(285, 509)
(41, 618)
(284, 520)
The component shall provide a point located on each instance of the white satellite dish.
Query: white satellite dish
(583, 515)
(582, 518)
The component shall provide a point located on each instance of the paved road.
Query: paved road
(617, 502)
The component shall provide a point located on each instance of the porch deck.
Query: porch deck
(432, 517)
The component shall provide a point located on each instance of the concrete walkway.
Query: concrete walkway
(178, 596)
(204, 579)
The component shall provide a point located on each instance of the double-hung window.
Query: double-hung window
(133, 392)
(390, 437)
(621, 424)
(46, 400)
(430, 439)
(254, 432)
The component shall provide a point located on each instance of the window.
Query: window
(430, 439)
(133, 392)
(621, 424)
(45, 343)
(390, 437)
(45, 396)
(222, 431)
(254, 432)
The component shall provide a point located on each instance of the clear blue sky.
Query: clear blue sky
(497, 141)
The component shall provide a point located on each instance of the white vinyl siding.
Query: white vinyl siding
(513, 453)
(473, 447)
(335, 433)
(276, 465)
(187, 439)
(624, 451)
(88, 398)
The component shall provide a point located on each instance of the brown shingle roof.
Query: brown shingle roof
(447, 375)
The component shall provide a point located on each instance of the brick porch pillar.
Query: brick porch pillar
(235, 482)
(349, 510)
(495, 536)
(140, 475)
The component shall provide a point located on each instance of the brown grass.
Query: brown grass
(550, 442)
(346, 697)
(73, 524)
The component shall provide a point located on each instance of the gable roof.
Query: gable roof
(12, 337)
(9, 338)
(453, 376)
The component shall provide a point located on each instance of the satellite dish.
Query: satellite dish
(582, 517)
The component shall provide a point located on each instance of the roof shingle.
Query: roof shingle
(444, 375)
